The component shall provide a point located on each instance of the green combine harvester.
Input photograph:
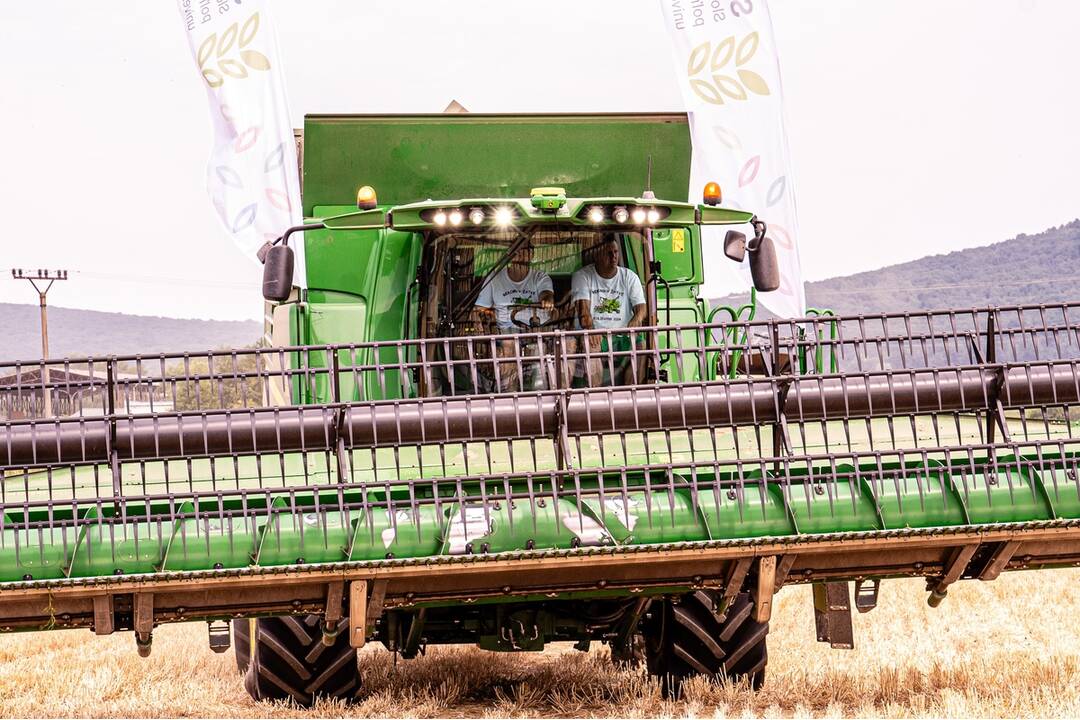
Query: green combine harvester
(422, 456)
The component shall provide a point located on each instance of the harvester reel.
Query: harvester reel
(687, 636)
(290, 662)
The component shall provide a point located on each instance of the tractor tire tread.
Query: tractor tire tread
(684, 638)
(291, 662)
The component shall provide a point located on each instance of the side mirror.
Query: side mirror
(764, 267)
(735, 245)
(278, 273)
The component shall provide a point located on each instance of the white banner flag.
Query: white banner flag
(725, 58)
(252, 177)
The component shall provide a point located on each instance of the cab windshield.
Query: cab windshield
(518, 282)
(458, 267)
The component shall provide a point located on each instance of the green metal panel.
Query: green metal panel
(409, 158)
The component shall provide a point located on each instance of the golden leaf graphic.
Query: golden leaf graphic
(206, 49)
(247, 33)
(706, 92)
(698, 58)
(753, 82)
(255, 59)
(723, 53)
(747, 48)
(232, 68)
(227, 40)
(213, 78)
(729, 86)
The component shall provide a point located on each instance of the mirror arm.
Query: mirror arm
(261, 254)
(759, 233)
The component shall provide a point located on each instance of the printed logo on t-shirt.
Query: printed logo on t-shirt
(609, 305)
(519, 300)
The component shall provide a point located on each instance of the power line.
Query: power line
(165, 280)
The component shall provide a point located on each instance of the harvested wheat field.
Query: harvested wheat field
(1010, 648)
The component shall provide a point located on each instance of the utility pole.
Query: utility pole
(34, 278)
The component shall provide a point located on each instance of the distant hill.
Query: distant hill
(74, 333)
(1027, 269)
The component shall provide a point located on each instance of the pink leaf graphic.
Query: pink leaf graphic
(780, 236)
(228, 176)
(247, 139)
(727, 137)
(749, 171)
(244, 218)
(776, 191)
(278, 199)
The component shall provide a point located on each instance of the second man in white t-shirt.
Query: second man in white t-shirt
(608, 295)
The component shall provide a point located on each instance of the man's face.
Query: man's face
(522, 258)
(607, 257)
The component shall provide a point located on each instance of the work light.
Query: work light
(639, 216)
(440, 218)
(503, 216)
(620, 215)
(596, 214)
(476, 216)
(455, 217)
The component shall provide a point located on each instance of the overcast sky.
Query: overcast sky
(915, 126)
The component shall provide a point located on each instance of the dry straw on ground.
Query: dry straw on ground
(1010, 648)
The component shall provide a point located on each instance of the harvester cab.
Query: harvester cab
(401, 467)
(466, 245)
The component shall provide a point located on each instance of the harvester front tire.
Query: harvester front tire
(241, 642)
(684, 639)
(290, 662)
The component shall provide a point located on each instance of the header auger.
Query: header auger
(404, 467)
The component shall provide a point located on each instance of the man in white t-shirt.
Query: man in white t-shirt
(517, 284)
(607, 295)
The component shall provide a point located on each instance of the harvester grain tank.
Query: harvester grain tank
(396, 469)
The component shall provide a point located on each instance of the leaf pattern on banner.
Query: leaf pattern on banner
(206, 49)
(747, 48)
(749, 171)
(255, 59)
(247, 33)
(729, 86)
(213, 78)
(721, 85)
(235, 36)
(278, 199)
(698, 57)
(754, 82)
(776, 191)
(275, 159)
(227, 39)
(780, 236)
(244, 218)
(247, 138)
(707, 92)
(229, 177)
(722, 54)
(232, 68)
(727, 137)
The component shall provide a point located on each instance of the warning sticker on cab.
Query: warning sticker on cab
(678, 240)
